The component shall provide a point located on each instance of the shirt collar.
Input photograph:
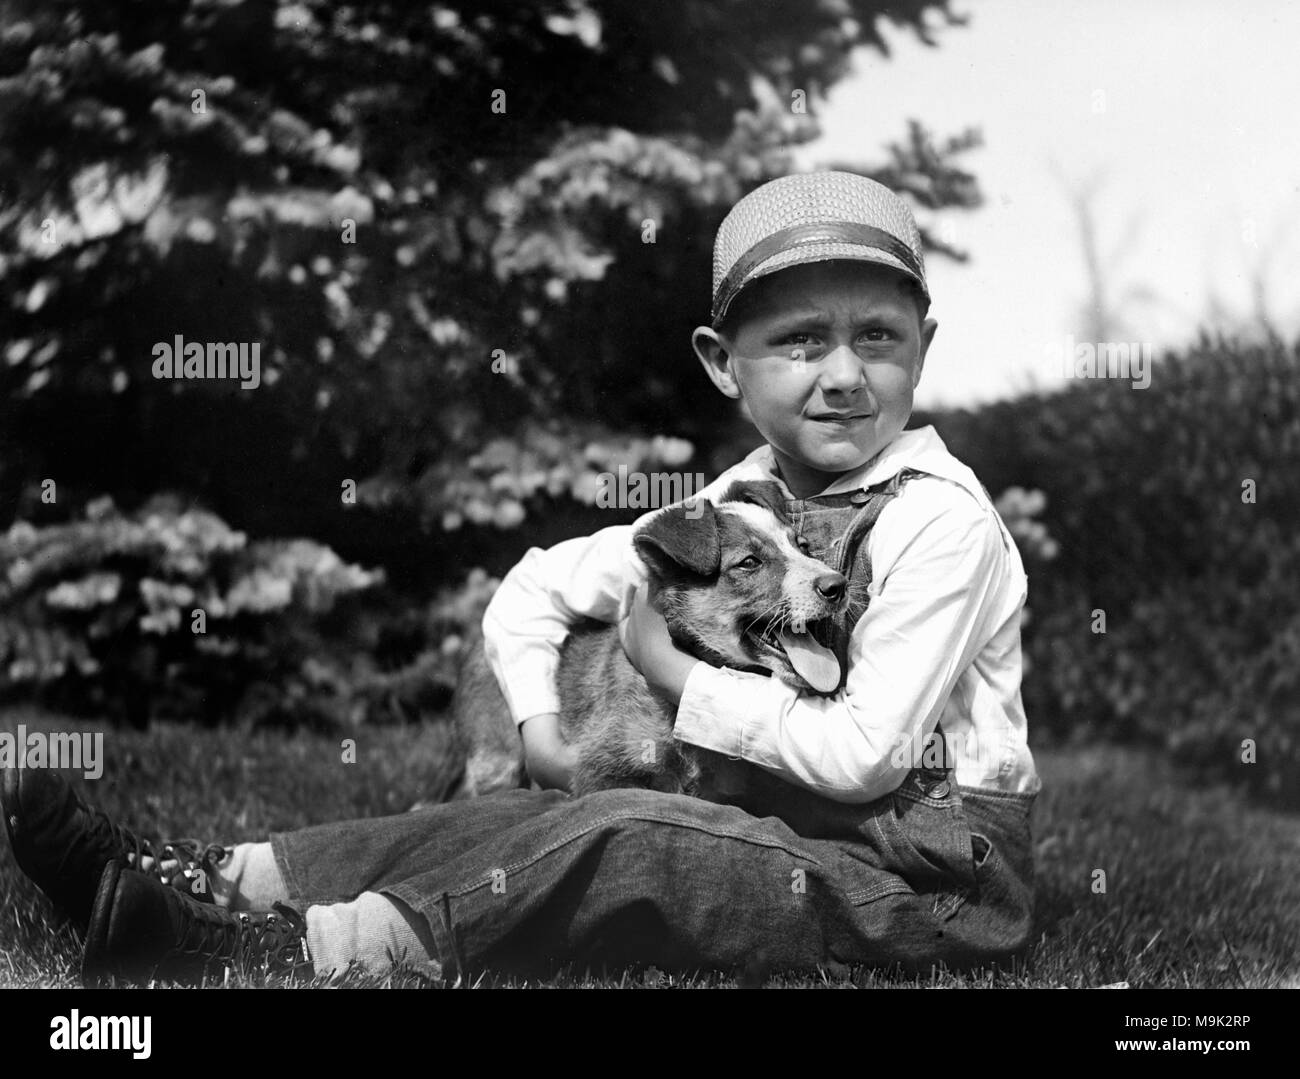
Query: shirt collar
(921, 449)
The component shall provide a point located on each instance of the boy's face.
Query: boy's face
(826, 356)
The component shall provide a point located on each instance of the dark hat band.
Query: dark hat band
(797, 236)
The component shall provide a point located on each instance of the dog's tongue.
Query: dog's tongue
(814, 663)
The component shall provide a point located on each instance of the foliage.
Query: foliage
(495, 484)
(1020, 510)
(168, 612)
(1175, 509)
(192, 168)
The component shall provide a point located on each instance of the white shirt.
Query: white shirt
(940, 640)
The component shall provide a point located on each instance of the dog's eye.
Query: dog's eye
(748, 562)
(802, 543)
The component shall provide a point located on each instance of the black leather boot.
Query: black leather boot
(63, 843)
(140, 929)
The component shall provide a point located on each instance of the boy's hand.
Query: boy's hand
(651, 651)
(551, 761)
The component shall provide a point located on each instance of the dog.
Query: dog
(737, 587)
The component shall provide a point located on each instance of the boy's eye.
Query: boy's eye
(878, 333)
(748, 562)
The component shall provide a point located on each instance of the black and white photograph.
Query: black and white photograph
(698, 494)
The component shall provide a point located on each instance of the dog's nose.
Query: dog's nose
(831, 586)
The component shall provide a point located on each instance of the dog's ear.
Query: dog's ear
(765, 493)
(681, 537)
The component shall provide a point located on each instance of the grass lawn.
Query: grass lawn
(1202, 889)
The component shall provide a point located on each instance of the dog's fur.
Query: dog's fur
(728, 579)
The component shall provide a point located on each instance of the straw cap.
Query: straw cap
(813, 217)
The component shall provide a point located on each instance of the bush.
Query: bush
(169, 612)
(1175, 512)
(499, 484)
(101, 615)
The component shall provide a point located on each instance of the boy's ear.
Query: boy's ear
(715, 358)
(681, 537)
(927, 335)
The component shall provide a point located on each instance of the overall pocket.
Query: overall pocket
(928, 840)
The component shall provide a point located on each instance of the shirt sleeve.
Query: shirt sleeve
(941, 597)
(551, 590)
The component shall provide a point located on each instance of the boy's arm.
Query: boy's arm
(947, 589)
(550, 760)
(544, 595)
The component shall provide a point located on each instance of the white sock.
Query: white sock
(248, 879)
(374, 932)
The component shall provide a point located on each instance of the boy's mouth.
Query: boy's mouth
(840, 417)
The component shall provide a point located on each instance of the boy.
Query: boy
(900, 834)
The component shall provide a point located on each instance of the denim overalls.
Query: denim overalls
(527, 881)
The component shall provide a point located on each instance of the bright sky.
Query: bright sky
(1185, 111)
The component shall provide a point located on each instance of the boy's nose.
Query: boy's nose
(843, 370)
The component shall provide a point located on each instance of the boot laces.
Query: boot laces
(190, 853)
(242, 937)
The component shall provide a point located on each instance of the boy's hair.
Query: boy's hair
(742, 307)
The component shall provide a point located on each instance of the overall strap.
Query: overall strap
(878, 497)
(843, 555)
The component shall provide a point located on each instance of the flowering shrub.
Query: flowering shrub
(495, 485)
(166, 611)
(1019, 509)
